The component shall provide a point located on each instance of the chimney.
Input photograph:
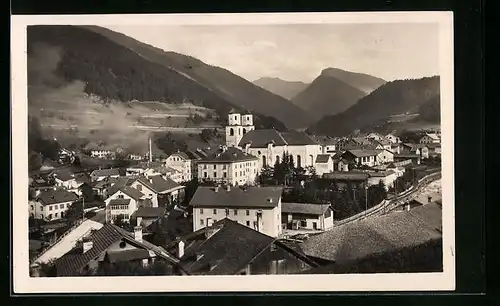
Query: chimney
(150, 150)
(180, 249)
(228, 187)
(86, 245)
(216, 189)
(138, 233)
(429, 199)
(139, 221)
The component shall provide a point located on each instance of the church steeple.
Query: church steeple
(238, 125)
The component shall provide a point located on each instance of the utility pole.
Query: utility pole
(83, 208)
(366, 199)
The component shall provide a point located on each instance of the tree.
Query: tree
(34, 161)
(266, 176)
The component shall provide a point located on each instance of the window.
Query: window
(273, 247)
(41, 216)
(56, 215)
(303, 223)
(248, 212)
(224, 174)
(32, 207)
(248, 223)
(204, 166)
(215, 167)
(315, 225)
(277, 159)
(223, 167)
(215, 212)
(231, 131)
(61, 206)
(244, 131)
(258, 152)
(235, 212)
(139, 187)
(205, 174)
(215, 174)
(201, 222)
(120, 196)
(201, 211)
(299, 162)
(227, 212)
(50, 207)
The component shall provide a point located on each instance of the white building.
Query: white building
(430, 138)
(238, 126)
(256, 207)
(393, 138)
(228, 166)
(157, 189)
(51, 204)
(102, 153)
(101, 174)
(387, 177)
(369, 158)
(297, 216)
(123, 202)
(324, 164)
(185, 162)
(374, 136)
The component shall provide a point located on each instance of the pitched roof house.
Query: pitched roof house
(113, 244)
(230, 248)
(101, 174)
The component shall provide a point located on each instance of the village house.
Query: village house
(123, 202)
(433, 148)
(100, 174)
(299, 216)
(375, 136)
(430, 138)
(111, 245)
(369, 158)
(269, 145)
(160, 191)
(256, 207)
(340, 163)
(356, 179)
(383, 144)
(136, 157)
(185, 162)
(69, 180)
(164, 172)
(324, 164)
(51, 204)
(393, 138)
(415, 158)
(328, 144)
(231, 248)
(102, 154)
(228, 166)
(140, 168)
(145, 216)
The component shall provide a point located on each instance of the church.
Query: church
(269, 145)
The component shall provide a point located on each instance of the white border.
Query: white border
(22, 283)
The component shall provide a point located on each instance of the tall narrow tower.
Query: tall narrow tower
(238, 125)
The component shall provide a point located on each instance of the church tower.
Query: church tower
(238, 125)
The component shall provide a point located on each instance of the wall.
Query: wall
(148, 193)
(271, 218)
(385, 157)
(42, 212)
(70, 184)
(113, 213)
(322, 168)
(307, 154)
(277, 261)
(238, 173)
(179, 163)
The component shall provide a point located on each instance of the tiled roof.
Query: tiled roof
(146, 165)
(304, 208)
(64, 175)
(102, 239)
(323, 158)
(236, 197)
(362, 153)
(119, 202)
(51, 196)
(433, 145)
(132, 192)
(381, 173)
(380, 234)
(106, 172)
(430, 214)
(231, 248)
(231, 154)
(159, 184)
(261, 138)
(433, 136)
(346, 175)
(149, 212)
(406, 155)
(424, 198)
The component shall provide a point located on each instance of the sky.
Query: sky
(301, 52)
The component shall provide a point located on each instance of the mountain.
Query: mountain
(116, 67)
(364, 82)
(392, 98)
(430, 111)
(327, 95)
(221, 82)
(286, 89)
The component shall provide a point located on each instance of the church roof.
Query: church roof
(261, 138)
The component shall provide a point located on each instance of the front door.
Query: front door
(315, 225)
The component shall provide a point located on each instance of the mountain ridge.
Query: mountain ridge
(281, 87)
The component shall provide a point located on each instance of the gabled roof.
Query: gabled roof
(131, 192)
(323, 158)
(228, 155)
(102, 239)
(304, 208)
(159, 184)
(432, 136)
(370, 236)
(256, 197)
(106, 172)
(51, 196)
(381, 173)
(363, 153)
(64, 175)
(433, 145)
(261, 138)
(149, 212)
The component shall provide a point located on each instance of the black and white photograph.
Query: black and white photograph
(233, 152)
